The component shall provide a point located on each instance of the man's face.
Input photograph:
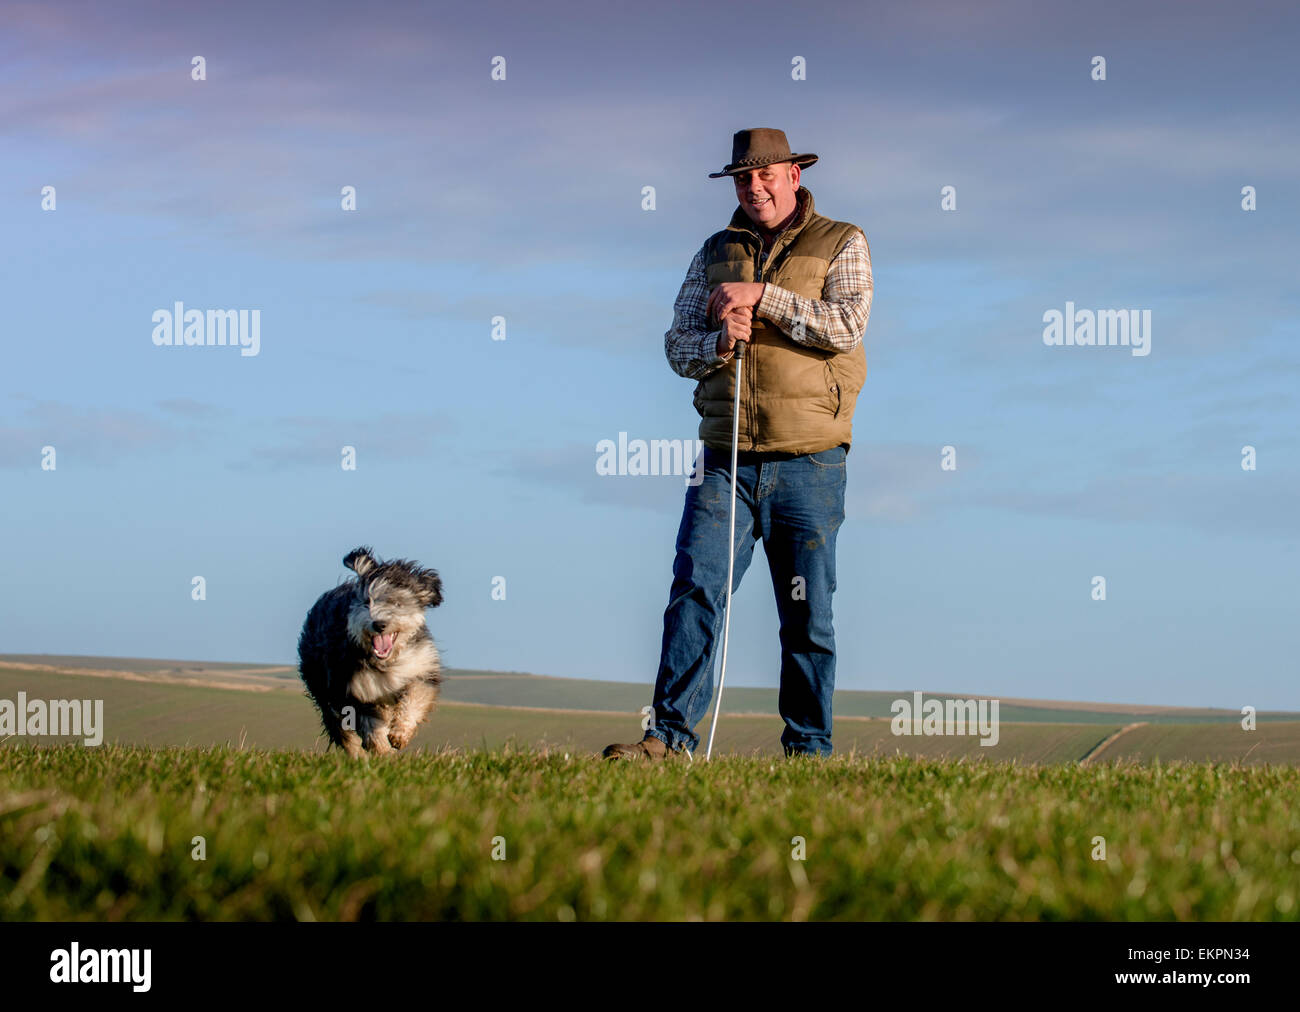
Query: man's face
(768, 194)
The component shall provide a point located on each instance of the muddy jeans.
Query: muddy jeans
(796, 505)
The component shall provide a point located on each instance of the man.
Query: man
(796, 287)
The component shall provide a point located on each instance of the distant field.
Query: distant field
(182, 711)
(110, 834)
(1269, 743)
(162, 714)
(138, 663)
(518, 689)
(174, 667)
(534, 690)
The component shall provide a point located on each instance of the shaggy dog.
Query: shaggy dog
(366, 656)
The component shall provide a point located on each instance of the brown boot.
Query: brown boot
(648, 748)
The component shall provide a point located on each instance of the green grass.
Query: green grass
(107, 834)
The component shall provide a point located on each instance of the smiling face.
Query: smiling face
(383, 615)
(387, 608)
(388, 602)
(768, 194)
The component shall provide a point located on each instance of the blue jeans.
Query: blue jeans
(796, 505)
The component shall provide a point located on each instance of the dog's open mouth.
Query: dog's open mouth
(383, 645)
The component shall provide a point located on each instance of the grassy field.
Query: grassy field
(110, 834)
(893, 827)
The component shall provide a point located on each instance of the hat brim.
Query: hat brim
(803, 161)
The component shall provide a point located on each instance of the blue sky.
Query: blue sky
(522, 198)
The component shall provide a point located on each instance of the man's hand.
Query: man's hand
(736, 326)
(732, 295)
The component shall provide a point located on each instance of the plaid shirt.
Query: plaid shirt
(836, 322)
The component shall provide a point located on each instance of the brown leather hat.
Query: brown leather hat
(752, 149)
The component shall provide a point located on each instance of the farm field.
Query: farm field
(1269, 743)
(513, 688)
(162, 703)
(165, 714)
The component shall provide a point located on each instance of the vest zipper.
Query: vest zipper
(761, 268)
(752, 369)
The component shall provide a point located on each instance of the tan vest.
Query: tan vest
(793, 398)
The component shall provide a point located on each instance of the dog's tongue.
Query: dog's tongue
(383, 643)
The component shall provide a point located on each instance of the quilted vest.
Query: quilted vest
(793, 398)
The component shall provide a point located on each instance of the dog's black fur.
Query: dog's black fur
(370, 700)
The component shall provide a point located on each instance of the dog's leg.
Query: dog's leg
(345, 738)
(374, 731)
(352, 744)
(412, 710)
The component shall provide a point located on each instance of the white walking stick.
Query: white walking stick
(731, 547)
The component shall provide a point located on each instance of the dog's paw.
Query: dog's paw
(398, 741)
(378, 745)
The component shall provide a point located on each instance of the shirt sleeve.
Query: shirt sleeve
(691, 348)
(836, 321)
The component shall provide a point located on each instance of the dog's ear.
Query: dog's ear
(360, 560)
(430, 588)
